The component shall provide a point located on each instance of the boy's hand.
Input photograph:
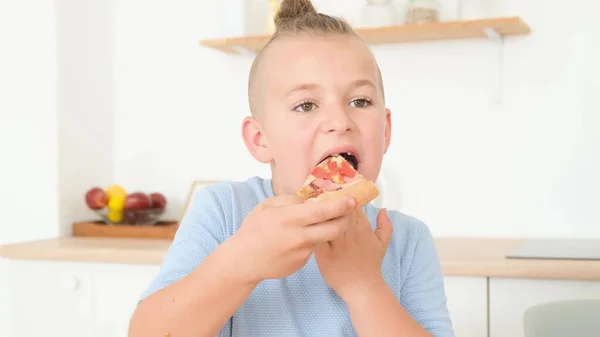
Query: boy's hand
(351, 264)
(279, 235)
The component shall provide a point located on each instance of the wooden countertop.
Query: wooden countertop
(458, 256)
(89, 249)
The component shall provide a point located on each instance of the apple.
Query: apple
(137, 201)
(96, 198)
(157, 200)
(130, 218)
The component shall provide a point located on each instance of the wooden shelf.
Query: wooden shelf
(448, 30)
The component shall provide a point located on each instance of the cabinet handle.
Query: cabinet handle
(70, 283)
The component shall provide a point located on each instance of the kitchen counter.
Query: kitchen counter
(458, 256)
(88, 249)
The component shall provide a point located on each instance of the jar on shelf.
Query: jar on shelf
(273, 8)
(378, 13)
(260, 15)
(422, 11)
(257, 15)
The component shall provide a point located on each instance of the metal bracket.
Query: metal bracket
(492, 34)
(243, 51)
(498, 39)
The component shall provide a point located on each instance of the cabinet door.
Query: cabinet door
(49, 298)
(3, 297)
(510, 298)
(467, 303)
(117, 290)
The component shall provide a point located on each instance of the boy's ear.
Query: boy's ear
(388, 129)
(255, 140)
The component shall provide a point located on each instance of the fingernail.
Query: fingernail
(352, 202)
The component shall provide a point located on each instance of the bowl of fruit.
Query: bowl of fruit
(116, 207)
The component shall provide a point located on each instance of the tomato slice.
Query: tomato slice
(320, 173)
(347, 170)
(333, 168)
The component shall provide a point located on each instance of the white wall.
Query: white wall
(56, 112)
(85, 104)
(56, 116)
(465, 165)
(28, 201)
(28, 110)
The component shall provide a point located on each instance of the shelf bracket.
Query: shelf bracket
(497, 38)
(492, 34)
(243, 51)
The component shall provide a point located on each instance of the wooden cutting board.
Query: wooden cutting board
(162, 230)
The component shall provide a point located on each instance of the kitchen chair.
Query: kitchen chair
(572, 318)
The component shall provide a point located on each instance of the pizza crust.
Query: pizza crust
(363, 191)
(306, 192)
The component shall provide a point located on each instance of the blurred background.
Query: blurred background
(495, 144)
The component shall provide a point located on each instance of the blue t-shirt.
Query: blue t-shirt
(302, 304)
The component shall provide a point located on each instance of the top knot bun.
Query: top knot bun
(290, 10)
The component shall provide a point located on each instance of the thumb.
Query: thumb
(280, 201)
(322, 250)
(384, 228)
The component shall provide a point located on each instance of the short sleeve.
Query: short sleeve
(423, 294)
(201, 230)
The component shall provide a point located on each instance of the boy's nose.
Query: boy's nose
(337, 120)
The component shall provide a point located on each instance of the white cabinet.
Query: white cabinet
(467, 304)
(73, 299)
(69, 299)
(510, 298)
(50, 299)
(117, 291)
(4, 297)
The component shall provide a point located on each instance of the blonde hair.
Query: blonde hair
(297, 17)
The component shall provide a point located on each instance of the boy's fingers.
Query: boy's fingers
(280, 201)
(326, 231)
(315, 212)
(384, 228)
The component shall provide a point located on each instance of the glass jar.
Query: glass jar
(378, 13)
(273, 9)
(256, 17)
(260, 15)
(422, 11)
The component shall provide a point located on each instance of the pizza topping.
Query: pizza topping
(346, 170)
(316, 191)
(332, 173)
(320, 172)
(334, 169)
(326, 185)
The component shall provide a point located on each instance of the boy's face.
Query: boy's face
(317, 95)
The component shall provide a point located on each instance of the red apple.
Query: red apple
(136, 201)
(96, 198)
(158, 200)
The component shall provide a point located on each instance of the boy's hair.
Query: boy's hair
(297, 17)
(300, 16)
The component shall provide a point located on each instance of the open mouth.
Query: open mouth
(348, 156)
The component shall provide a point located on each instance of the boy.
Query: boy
(250, 259)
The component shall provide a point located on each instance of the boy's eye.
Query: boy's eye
(305, 107)
(360, 103)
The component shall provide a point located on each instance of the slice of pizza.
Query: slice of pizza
(337, 177)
